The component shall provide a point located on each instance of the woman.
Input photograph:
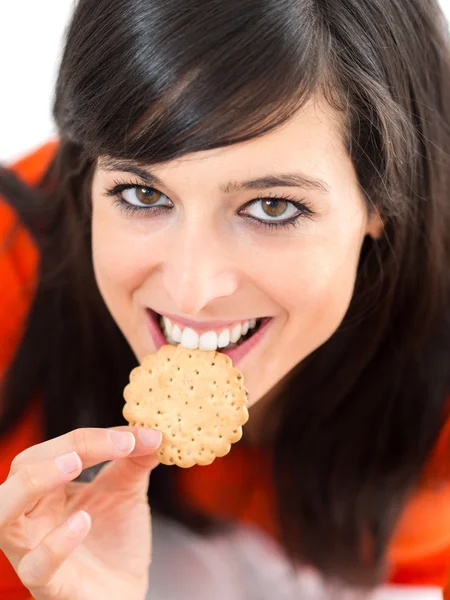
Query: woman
(283, 164)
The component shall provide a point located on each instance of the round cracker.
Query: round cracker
(196, 398)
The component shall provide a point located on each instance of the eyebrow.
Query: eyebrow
(297, 179)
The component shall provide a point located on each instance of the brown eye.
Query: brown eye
(148, 196)
(278, 211)
(274, 207)
(145, 197)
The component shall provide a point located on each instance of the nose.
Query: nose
(198, 269)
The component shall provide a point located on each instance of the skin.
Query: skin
(203, 260)
(302, 276)
(56, 562)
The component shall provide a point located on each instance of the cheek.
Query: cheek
(122, 260)
(315, 284)
(328, 285)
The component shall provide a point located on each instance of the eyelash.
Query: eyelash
(304, 208)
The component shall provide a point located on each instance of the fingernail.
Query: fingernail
(68, 463)
(150, 437)
(77, 522)
(122, 440)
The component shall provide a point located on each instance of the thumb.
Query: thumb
(130, 472)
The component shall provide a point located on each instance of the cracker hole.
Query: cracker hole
(192, 439)
(234, 430)
(171, 460)
(159, 412)
(190, 355)
(168, 396)
(199, 428)
(168, 360)
(238, 377)
(197, 372)
(179, 419)
(221, 436)
(137, 403)
(171, 379)
(156, 424)
(150, 371)
(233, 403)
(150, 390)
(213, 364)
(186, 402)
(191, 388)
(228, 382)
(212, 395)
(200, 407)
(214, 382)
(178, 368)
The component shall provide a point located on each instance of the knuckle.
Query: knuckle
(30, 479)
(49, 554)
(16, 463)
(28, 573)
(80, 442)
(30, 569)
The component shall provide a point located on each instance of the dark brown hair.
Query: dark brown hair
(152, 80)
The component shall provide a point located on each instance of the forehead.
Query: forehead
(314, 127)
(310, 140)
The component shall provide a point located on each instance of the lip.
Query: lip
(202, 327)
(236, 354)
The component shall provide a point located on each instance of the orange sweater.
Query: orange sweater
(420, 549)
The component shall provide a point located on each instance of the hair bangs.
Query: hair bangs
(179, 86)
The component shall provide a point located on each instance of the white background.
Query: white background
(30, 47)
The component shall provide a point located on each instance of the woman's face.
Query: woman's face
(219, 239)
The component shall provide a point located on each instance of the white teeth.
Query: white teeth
(189, 339)
(176, 334)
(168, 325)
(235, 333)
(224, 338)
(211, 340)
(208, 341)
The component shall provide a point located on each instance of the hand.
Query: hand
(105, 551)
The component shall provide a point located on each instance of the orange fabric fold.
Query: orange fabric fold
(19, 261)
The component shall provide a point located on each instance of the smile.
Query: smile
(234, 338)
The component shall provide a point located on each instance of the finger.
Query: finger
(147, 441)
(93, 446)
(39, 566)
(30, 483)
(132, 471)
